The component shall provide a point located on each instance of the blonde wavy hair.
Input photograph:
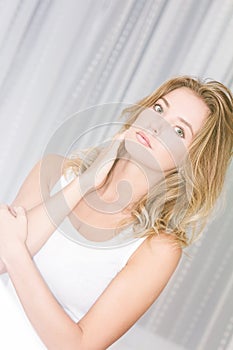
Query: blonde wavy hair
(181, 202)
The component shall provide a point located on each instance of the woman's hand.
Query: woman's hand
(96, 174)
(13, 230)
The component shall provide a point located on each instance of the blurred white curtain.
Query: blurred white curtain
(58, 57)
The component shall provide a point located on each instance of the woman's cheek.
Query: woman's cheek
(174, 145)
(156, 158)
(167, 150)
(164, 157)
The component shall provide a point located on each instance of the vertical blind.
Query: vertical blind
(60, 57)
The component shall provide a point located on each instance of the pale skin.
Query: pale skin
(146, 273)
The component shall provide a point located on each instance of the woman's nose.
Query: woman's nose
(153, 131)
(157, 125)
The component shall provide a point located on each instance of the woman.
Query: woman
(169, 162)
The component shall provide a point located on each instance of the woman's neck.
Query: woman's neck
(128, 182)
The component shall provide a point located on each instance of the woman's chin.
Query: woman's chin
(140, 154)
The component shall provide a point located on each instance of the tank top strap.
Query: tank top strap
(61, 183)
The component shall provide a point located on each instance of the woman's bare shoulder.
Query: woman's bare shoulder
(158, 246)
(39, 181)
(53, 165)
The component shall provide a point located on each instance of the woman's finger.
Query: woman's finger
(20, 211)
(11, 210)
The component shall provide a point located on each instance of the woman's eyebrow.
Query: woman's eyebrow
(165, 101)
(188, 125)
(181, 119)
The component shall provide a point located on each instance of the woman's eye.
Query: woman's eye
(179, 131)
(158, 108)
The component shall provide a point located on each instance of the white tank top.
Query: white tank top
(76, 273)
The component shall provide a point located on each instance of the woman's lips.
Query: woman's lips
(143, 139)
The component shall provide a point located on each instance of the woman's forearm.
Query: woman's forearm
(52, 324)
(47, 216)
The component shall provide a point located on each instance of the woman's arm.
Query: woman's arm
(45, 216)
(30, 192)
(122, 303)
(53, 325)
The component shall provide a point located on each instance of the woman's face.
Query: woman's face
(170, 126)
